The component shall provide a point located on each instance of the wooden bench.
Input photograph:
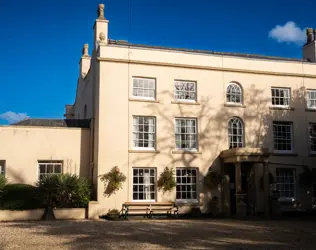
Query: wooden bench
(148, 209)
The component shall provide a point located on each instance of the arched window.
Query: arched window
(85, 112)
(234, 93)
(235, 133)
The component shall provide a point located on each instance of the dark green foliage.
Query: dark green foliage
(307, 178)
(212, 179)
(64, 191)
(3, 182)
(113, 181)
(20, 197)
(166, 181)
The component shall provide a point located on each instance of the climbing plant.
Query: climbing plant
(166, 181)
(113, 181)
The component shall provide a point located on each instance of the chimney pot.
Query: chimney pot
(85, 50)
(309, 34)
(101, 11)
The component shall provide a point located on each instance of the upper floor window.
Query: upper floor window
(312, 137)
(49, 167)
(235, 133)
(144, 88)
(2, 167)
(282, 136)
(186, 133)
(280, 97)
(185, 90)
(144, 132)
(234, 93)
(311, 98)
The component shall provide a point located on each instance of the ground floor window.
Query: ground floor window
(48, 167)
(285, 181)
(186, 183)
(144, 184)
(2, 167)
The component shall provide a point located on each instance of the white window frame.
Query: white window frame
(2, 167)
(176, 91)
(287, 183)
(150, 80)
(48, 162)
(177, 133)
(154, 184)
(288, 90)
(232, 135)
(309, 93)
(193, 200)
(289, 124)
(311, 137)
(134, 132)
(229, 95)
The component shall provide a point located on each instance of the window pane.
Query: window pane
(184, 90)
(186, 183)
(282, 136)
(144, 132)
(144, 187)
(280, 96)
(144, 87)
(185, 133)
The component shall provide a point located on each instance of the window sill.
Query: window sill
(234, 105)
(187, 202)
(284, 154)
(143, 151)
(142, 100)
(185, 152)
(281, 108)
(184, 102)
(310, 110)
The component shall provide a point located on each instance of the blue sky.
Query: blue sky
(41, 41)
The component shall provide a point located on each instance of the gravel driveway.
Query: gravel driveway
(162, 234)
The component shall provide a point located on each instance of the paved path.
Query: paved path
(154, 234)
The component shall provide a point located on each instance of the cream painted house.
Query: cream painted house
(246, 116)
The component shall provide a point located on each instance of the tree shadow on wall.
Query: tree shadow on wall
(213, 116)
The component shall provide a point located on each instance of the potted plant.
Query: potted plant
(166, 181)
(113, 181)
(113, 214)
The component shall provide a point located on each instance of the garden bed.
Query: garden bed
(21, 215)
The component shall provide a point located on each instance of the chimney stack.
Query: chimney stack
(85, 61)
(100, 28)
(309, 49)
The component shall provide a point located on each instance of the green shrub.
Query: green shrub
(20, 197)
(64, 191)
(3, 182)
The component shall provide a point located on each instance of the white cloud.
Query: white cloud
(13, 117)
(288, 33)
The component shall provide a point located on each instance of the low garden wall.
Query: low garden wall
(13, 215)
(70, 213)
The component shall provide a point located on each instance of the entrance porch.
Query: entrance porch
(246, 188)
